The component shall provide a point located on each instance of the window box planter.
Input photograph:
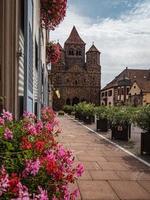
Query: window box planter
(121, 132)
(88, 119)
(145, 143)
(102, 125)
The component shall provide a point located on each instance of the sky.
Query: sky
(120, 29)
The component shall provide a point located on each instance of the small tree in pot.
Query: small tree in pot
(102, 118)
(68, 109)
(88, 113)
(79, 110)
(143, 121)
(121, 120)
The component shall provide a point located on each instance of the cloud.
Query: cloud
(123, 42)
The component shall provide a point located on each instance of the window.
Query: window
(110, 93)
(78, 52)
(71, 52)
(119, 91)
(76, 82)
(135, 86)
(122, 91)
(128, 89)
(103, 94)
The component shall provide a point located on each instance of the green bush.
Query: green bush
(142, 118)
(68, 109)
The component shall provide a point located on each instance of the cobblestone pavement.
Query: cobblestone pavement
(109, 173)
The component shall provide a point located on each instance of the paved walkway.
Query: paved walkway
(110, 173)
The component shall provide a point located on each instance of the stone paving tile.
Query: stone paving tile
(110, 173)
(129, 190)
(91, 158)
(145, 185)
(134, 175)
(112, 166)
(104, 175)
(86, 176)
(91, 165)
(97, 190)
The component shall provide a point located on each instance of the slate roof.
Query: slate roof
(93, 49)
(141, 76)
(74, 37)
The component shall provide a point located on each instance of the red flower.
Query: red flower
(39, 146)
(13, 182)
(52, 12)
(53, 53)
(25, 144)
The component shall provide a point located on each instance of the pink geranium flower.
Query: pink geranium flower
(32, 167)
(42, 195)
(1, 121)
(4, 181)
(8, 135)
(7, 116)
(79, 170)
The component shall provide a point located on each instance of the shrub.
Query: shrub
(143, 118)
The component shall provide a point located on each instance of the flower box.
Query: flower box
(102, 125)
(145, 143)
(121, 131)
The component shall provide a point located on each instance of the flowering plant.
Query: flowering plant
(53, 53)
(33, 165)
(52, 13)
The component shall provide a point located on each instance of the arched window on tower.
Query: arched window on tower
(71, 52)
(78, 52)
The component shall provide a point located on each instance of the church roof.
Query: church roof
(60, 47)
(93, 49)
(74, 37)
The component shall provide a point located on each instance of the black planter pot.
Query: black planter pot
(69, 112)
(145, 143)
(102, 125)
(77, 115)
(121, 132)
(88, 119)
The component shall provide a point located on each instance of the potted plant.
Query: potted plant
(143, 121)
(68, 109)
(52, 13)
(79, 110)
(33, 165)
(101, 118)
(121, 119)
(53, 52)
(88, 113)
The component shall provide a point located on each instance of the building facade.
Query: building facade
(76, 76)
(23, 68)
(120, 91)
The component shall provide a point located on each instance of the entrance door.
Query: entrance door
(75, 100)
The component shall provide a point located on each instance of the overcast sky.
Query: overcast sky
(120, 29)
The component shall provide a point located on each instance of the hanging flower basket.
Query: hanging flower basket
(53, 53)
(52, 13)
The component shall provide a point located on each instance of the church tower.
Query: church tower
(74, 50)
(93, 57)
(76, 80)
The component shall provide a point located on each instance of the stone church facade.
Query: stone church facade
(76, 77)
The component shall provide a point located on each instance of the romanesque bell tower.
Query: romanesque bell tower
(76, 79)
(74, 50)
